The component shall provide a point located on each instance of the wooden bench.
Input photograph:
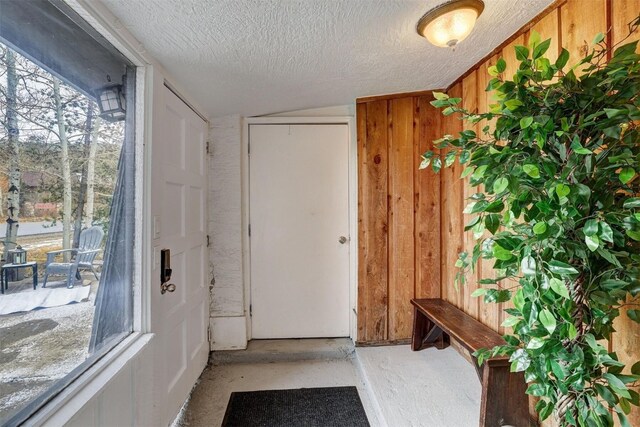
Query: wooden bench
(504, 401)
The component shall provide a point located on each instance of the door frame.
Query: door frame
(353, 206)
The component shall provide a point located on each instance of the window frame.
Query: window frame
(86, 381)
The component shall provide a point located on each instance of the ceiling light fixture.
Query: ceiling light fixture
(450, 23)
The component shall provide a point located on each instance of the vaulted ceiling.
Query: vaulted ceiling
(255, 57)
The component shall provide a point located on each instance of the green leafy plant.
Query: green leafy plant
(557, 210)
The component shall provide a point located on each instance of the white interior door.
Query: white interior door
(299, 210)
(181, 317)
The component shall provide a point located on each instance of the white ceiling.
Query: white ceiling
(255, 57)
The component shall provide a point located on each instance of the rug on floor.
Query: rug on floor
(42, 298)
(309, 407)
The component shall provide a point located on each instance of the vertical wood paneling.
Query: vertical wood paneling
(372, 221)
(548, 28)
(399, 214)
(361, 135)
(470, 103)
(451, 205)
(488, 313)
(509, 55)
(427, 220)
(401, 227)
(581, 21)
(573, 26)
(626, 340)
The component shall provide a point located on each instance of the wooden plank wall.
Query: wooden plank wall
(390, 223)
(398, 214)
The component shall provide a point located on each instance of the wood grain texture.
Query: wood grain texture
(427, 128)
(401, 226)
(548, 28)
(509, 56)
(372, 221)
(451, 205)
(470, 103)
(626, 340)
(488, 313)
(580, 21)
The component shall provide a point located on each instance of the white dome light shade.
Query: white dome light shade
(451, 22)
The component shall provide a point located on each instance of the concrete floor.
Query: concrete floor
(398, 387)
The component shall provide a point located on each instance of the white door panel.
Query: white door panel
(179, 188)
(298, 211)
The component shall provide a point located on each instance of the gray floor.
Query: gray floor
(398, 387)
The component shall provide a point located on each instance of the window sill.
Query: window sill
(91, 383)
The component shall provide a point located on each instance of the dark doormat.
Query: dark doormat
(304, 407)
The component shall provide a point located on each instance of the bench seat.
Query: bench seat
(504, 400)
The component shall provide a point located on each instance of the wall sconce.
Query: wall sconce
(450, 23)
(111, 102)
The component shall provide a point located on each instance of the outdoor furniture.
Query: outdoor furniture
(81, 257)
(504, 400)
(4, 279)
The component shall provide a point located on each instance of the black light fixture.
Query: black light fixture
(111, 102)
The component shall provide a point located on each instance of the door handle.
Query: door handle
(342, 240)
(165, 272)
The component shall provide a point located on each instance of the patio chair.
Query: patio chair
(81, 257)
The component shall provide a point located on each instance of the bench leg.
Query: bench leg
(504, 400)
(426, 333)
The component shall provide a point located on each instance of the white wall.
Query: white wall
(229, 301)
(334, 111)
(228, 321)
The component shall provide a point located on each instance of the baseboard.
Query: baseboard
(228, 333)
(382, 343)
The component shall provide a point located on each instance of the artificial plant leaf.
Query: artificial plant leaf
(528, 266)
(593, 242)
(626, 175)
(540, 49)
(437, 164)
(563, 190)
(540, 228)
(634, 315)
(562, 60)
(466, 172)
(548, 320)
(558, 286)
(510, 321)
(500, 184)
(501, 253)
(479, 172)
(492, 223)
(559, 267)
(519, 360)
(606, 233)
(633, 202)
(478, 292)
(531, 170)
(440, 95)
(522, 53)
(590, 227)
(635, 235)
(525, 122)
(598, 38)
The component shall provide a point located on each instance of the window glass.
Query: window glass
(66, 201)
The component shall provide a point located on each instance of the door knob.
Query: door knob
(342, 240)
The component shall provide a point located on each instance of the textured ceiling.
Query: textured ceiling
(255, 57)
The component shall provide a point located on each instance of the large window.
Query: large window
(66, 201)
